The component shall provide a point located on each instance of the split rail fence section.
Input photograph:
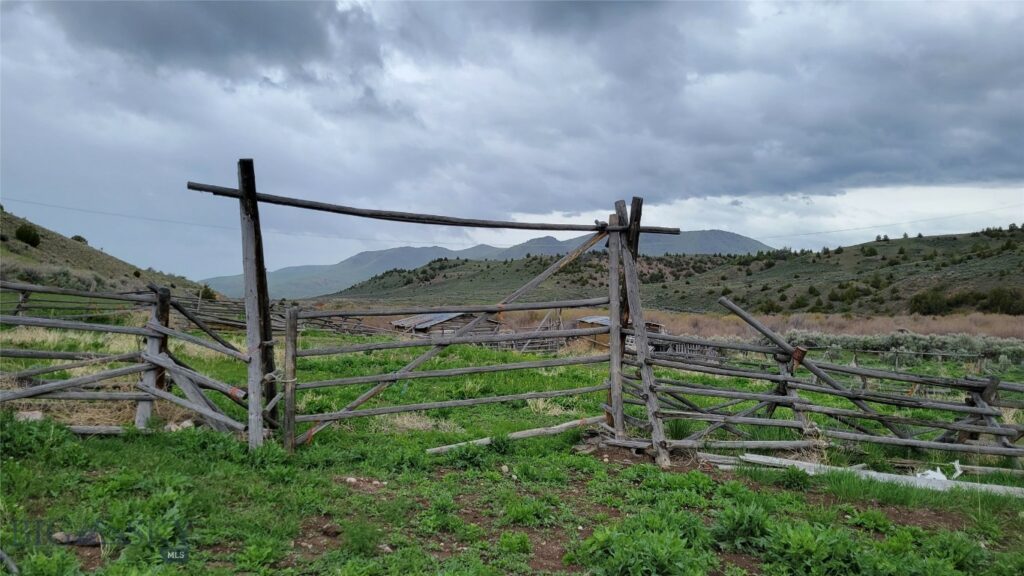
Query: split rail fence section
(158, 370)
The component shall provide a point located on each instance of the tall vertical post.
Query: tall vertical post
(155, 345)
(616, 417)
(291, 344)
(23, 297)
(650, 396)
(631, 283)
(258, 329)
(636, 208)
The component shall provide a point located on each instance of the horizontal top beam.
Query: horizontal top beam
(22, 287)
(461, 309)
(419, 218)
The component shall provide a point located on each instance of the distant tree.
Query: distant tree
(838, 250)
(137, 274)
(919, 235)
(207, 293)
(885, 238)
(930, 302)
(905, 236)
(878, 238)
(28, 234)
(81, 239)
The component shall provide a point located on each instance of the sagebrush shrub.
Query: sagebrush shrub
(28, 234)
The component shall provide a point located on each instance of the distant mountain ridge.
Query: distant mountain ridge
(316, 280)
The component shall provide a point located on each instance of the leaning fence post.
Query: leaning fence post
(23, 297)
(615, 332)
(291, 337)
(632, 282)
(156, 344)
(258, 330)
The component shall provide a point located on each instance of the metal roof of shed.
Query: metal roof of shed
(424, 321)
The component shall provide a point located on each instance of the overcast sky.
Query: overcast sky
(778, 121)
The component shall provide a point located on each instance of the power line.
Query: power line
(265, 230)
(876, 226)
(469, 245)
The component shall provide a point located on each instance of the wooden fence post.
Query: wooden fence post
(258, 329)
(616, 417)
(291, 337)
(636, 314)
(155, 345)
(23, 297)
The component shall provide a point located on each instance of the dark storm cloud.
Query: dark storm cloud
(488, 109)
(235, 39)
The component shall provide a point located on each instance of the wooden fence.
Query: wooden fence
(793, 403)
(160, 370)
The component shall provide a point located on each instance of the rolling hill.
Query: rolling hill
(315, 280)
(71, 263)
(974, 271)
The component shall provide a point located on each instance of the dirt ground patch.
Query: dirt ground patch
(90, 558)
(364, 485)
(749, 563)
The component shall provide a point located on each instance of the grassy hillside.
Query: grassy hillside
(71, 263)
(315, 280)
(932, 275)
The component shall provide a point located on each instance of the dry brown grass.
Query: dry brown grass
(546, 407)
(96, 413)
(412, 421)
(713, 325)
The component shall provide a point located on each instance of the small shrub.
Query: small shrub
(361, 538)
(207, 293)
(807, 550)
(514, 543)
(960, 550)
(53, 562)
(871, 519)
(468, 456)
(258, 553)
(528, 512)
(794, 478)
(743, 528)
(81, 239)
(28, 234)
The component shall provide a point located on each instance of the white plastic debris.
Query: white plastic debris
(932, 474)
(959, 470)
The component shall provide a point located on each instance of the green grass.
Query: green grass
(523, 507)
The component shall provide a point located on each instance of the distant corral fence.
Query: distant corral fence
(725, 401)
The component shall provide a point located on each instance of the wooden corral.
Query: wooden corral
(821, 403)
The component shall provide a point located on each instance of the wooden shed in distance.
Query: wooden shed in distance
(602, 339)
(443, 324)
